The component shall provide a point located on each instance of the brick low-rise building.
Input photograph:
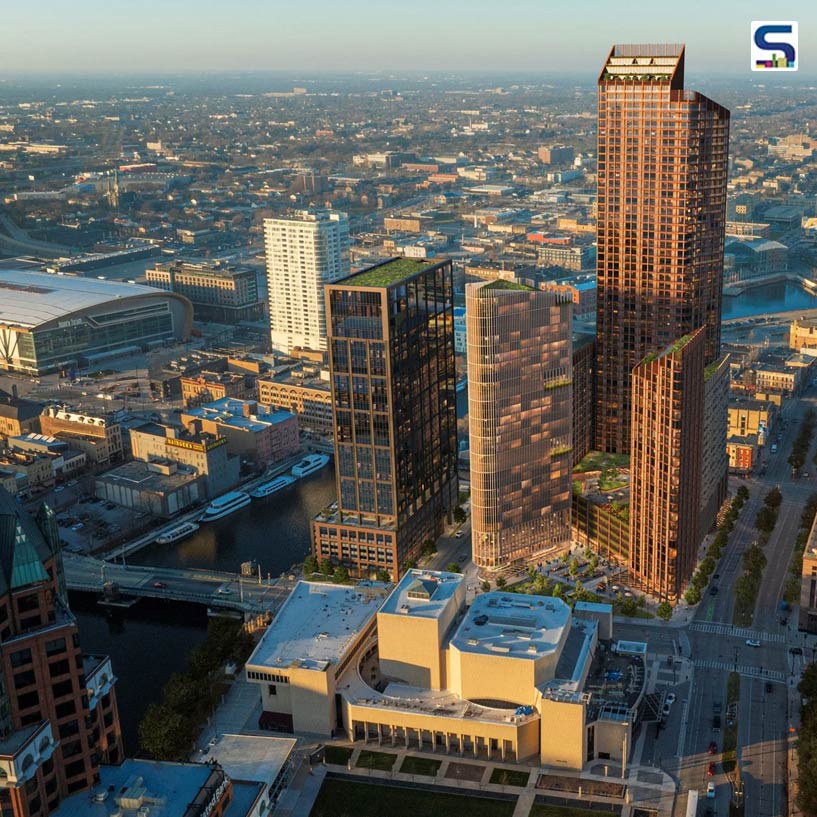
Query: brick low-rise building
(742, 453)
(262, 437)
(208, 386)
(218, 292)
(18, 415)
(99, 436)
(206, 454)
(310, 398)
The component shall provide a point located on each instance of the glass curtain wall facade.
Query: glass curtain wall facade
(391, 353)
(520, 405)
(668, 426)
(662, 167)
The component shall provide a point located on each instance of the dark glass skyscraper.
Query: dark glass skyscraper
(391, 354)
(662, 165)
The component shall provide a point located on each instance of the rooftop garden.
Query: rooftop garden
(384, 275)
(599, 460)
(711, 369)
(501, 283)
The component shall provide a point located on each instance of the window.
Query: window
(23, 679)
(58, 668)
(21, 657)
(62, 688)
(28, 699)
(272, 689)
(55, 647)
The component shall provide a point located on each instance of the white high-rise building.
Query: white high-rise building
(304, 251)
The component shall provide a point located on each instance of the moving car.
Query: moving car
(716, 723)
(670, 699)
(713, 747)
(225, 591)
(710, 790)
(159, 585)
(751, 642)
(710, 770)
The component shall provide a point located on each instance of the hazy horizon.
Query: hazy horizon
(156, 37)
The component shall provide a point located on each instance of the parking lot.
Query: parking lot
(88, 524)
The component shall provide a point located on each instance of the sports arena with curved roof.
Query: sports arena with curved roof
(50, 322)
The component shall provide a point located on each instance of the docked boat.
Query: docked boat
(225, 505)
(269, 488)
(309, 465)
(174, 534)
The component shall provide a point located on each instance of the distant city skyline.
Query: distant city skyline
(96, 37)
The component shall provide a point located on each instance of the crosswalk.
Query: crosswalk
(737, 632)
(742, 669)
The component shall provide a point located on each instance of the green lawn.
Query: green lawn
(598, 461)
(342, 798)
(338, 754)
(561, 811)
(509, 777)
(376, 760)
(420, 765)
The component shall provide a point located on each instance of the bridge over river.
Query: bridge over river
(219, 591)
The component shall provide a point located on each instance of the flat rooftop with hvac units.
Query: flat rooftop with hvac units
(49, 322)
(510, 676)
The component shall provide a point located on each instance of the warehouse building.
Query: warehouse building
(51, 322)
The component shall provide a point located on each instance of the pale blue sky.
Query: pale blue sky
(97, 36)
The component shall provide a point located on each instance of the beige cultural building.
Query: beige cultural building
(512, 677)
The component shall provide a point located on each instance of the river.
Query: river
(785, 296)
(151, 640)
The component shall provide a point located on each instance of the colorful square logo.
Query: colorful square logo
(774, 46)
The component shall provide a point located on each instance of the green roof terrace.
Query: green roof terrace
(389, 273)
(501, 283)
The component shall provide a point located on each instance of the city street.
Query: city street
(716, 648)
